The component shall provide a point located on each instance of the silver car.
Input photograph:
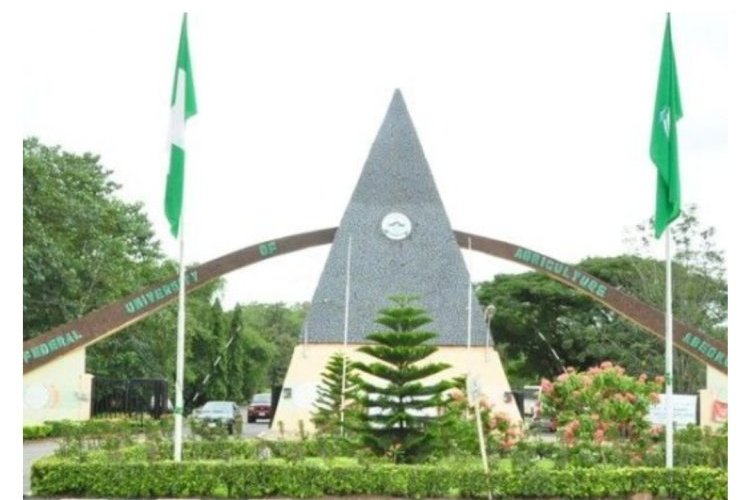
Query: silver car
(221, 413)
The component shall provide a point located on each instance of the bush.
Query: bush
(601, 405)
(318, 477)
(97, 427)
(36, 431)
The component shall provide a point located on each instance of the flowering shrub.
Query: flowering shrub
(602, 404)
(501, 435)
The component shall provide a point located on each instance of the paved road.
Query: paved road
(34, 450)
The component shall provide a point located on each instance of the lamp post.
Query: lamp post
(489, 312)
(306, 308)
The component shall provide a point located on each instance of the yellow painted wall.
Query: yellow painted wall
(58, 390)
(308, 362)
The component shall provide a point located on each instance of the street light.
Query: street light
(489, 312)
(306, 308)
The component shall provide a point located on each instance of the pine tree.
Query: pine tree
(328, 405)
(401, 412)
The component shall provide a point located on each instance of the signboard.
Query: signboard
(685, 410)
(719, 413)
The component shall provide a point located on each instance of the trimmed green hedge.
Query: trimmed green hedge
(37, 431)
(317, 477)
(97, 427)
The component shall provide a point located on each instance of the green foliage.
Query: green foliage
(236, 354)
(700, 293)
(584, 332)
(36, 431)
(99, 427)
(315, 477)
(208, 379)
(334, 466)
(399, 416)
(330, 404)
(279, 326)
(82, 246)
(457, 434)
(601, 405)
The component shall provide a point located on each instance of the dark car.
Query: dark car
(221, 413)
(260, 407)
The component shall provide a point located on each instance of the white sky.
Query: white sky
(535, 123)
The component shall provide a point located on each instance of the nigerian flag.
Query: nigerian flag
(667, 111)
(183, 107)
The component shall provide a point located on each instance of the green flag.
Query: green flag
(667, 111)
(183, 107)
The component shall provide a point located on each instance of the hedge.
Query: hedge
(244, 478)
(96, 427)
(37, 431)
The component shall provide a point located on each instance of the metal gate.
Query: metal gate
(111, 397)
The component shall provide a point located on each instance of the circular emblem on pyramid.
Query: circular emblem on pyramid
(396, 226)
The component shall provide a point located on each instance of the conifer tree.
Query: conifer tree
(400, 412)
(328, 405)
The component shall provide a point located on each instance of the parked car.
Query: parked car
(259, 407)
(224, 413)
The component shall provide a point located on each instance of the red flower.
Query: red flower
(547, 386)
(599, 435)
(657, 430)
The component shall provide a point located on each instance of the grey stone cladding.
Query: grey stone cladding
(427, 262)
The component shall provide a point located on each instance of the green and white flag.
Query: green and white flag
(667, 111)
(183, 107)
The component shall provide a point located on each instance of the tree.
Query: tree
(329, 404)
(601, 404)
(279, 325)
(206, 363)
(538, 318)
(401, 414)
(236, 354)
(82, 246)
(699, 286)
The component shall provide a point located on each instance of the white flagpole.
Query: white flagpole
(346, 329)
(470, 382)
(468, 308)
(304, 347)
(180, 368)
(668, 353)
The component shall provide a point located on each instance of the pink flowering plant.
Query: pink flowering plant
(501, 434)
(601, 405)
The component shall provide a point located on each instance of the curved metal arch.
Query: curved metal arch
(112, 318)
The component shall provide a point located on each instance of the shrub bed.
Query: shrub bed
(314, 477)
(37, 431)
(96, 427)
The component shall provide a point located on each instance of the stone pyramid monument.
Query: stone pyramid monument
(401, 243)
(394, 238)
